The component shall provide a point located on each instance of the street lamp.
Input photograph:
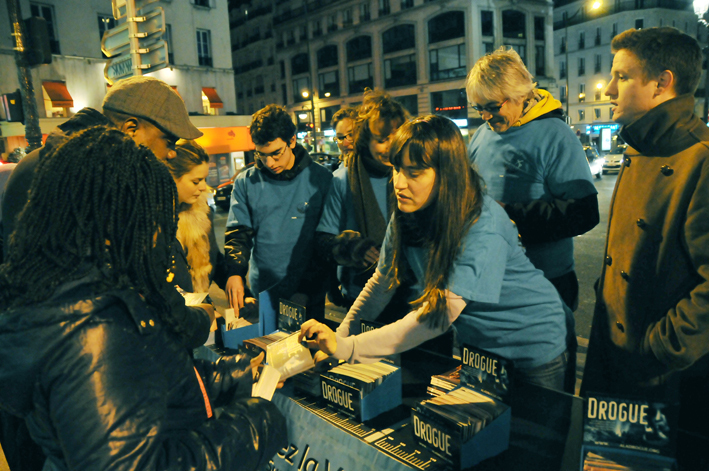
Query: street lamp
(306, 94)
(700, 9)
(594, 6)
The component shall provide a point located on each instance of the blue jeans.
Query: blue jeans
(550, 375)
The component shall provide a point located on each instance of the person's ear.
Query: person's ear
(291, 144)
(130, 126)
(665, 82)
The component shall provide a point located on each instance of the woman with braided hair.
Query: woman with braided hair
(198, 259)
(94, 355)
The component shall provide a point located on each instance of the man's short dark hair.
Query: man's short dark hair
(660, 49)
(342, 114)
(270, 123)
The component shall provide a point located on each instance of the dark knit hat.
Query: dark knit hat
(154, 100)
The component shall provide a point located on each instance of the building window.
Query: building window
(167, 36)
(299, 64)
(513, 24)
(448, 62)
(614, 30)
(520, 49)
(562, 94)
(360, 77)
(582, 115)
(327, 57)
(204, 47)
(329, 83)
(283, 69)
(539, 61)
(301, 85)
(597, 113)
(539, 28)
(446, 26)
(562, 46)
(450, 103)
(359, 48)
(488, 47)
(47, 12)
(598, 94)
(317, 28)
(410, 102)
(405, 4)
(347, 17)
(597, 64)
(639, 23)
(201, 3)
(364, 13)
(384, 8)
(398, 38)
(562, 69)
(582, 66)
(284, 94)
(597, 42)
(290, 37)
(486, 23)
(332, 23)
(302, 33)
(582, 92)
(400, 71)
(582, 39)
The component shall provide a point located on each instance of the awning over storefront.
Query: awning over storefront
(59, 95)
(214, 100)
(226, 139)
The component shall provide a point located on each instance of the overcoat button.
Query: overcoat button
(620, 326)
(624, 275)
(641, 223)
(666, 170)
(626, 160)
(609, 260)
(152, 323)
(142, 323)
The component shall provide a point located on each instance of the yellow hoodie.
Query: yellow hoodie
(541, 104)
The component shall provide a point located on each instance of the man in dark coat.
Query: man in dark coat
(650, 334)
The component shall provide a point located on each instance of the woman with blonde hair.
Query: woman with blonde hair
(197, 259)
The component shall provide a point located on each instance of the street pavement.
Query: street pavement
(588, 252)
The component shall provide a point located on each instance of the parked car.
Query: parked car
(329, 161)
(222, 195)
(614, 160)
(595, 161)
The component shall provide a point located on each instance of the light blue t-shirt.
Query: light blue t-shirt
(283, 215)
(540, 160)
(338, 215)
(512, 309)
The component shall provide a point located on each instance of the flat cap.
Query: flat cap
(154, 100)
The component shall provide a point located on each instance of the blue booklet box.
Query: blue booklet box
(268, 314)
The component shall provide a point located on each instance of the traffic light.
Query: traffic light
(39, 49)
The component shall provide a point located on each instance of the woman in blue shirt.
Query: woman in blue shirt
(468, 266)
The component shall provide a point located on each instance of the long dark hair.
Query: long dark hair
(435, 142)
(98, 200)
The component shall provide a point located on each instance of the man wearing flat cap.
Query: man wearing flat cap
(154, 115)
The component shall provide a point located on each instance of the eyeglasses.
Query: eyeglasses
(274, 155)
(489, 108)
(346, 137)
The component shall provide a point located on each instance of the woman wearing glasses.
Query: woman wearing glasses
(534, 166)
(356, 212)
(468, 269)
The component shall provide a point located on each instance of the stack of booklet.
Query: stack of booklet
(364, 377)
(260, 344)
(443, 383)
(463, 409)
(608, 460)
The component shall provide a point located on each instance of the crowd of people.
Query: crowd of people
(435, 240)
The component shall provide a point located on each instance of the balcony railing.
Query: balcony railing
(623, 5)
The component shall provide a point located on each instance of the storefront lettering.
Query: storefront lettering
(305, 464)
(480, 362)
(612, 410)
(432, 435)
(337, 396)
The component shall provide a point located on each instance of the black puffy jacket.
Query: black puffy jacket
(103, 384)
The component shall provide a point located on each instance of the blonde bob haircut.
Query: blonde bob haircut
(499, 76)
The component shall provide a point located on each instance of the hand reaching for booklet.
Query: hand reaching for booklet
(317, 335)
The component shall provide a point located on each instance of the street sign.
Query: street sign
(118, 68)
(152, 58)
(119, 6)
(150, 27)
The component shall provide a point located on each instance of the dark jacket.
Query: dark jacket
(652, 313)
(102, 383)
(195, 320)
